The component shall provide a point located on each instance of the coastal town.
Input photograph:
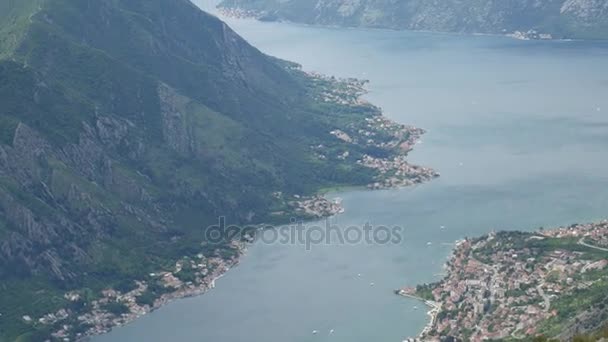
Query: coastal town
(505, 285)
(390, 141)
(397, 172)
(530, 35)
(393, 171)
(346, 91)
(316, 206)
(191, 276)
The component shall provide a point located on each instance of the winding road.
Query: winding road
(583, 243)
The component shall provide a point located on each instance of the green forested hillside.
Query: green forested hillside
(126, 128)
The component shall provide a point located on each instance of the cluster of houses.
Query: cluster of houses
(99, 319)
(397, 172)
(595, 234)
(317, 206)
(530, 35)
(495, 290)
(342, 91)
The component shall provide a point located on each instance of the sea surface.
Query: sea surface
(518, 130)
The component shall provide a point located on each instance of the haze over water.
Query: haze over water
(518, 130)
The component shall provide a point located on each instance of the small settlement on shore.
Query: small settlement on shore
(190, 277)
(374, 133)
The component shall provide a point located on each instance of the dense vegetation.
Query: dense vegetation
(126, 128)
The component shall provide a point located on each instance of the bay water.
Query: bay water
(517, 129)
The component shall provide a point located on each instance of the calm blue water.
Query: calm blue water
(519, 131)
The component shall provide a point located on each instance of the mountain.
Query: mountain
(580, 19)
(129, 126)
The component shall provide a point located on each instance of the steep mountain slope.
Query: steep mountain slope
(586, 19)
(127, 127)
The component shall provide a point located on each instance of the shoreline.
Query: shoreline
(392, 173)
(101, 312)
(246, 14)
(191, 291)
(434, 309)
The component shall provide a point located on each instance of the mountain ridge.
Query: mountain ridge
(571, 19)
(127, 128)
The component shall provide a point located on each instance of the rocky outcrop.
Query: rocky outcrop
(43, 196)
(176, 130)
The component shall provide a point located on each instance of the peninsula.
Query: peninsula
(515, 285)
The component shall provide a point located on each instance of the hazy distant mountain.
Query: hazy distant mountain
(561, 18)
